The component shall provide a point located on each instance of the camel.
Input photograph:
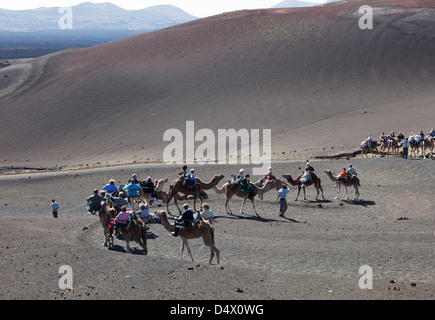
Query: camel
(429, 144)
(105, 217)
(313, 181)
(234, 189)
(137, 229)
(384, 145)
(277, 182)
(416, 146)
(373, 147)
(202, 229)
(178, 187)
(163, 195)
(353, 181)
(395, 147)
(160, 183)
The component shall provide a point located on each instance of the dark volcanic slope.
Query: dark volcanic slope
(293, 70)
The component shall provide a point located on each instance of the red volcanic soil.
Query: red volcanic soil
(311, 75)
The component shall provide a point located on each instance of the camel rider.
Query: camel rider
(184, 172)
(133, 189)
(383, 137)
(351, 171)
(94, 202)
(144, 213)
(269, 175)
(422, 136)
(110, 187)
(432, 133)
(245, 184)
(148, 185)
(369, 141)
(240, 174)
(133, 179)
(309, 167)
(341, 176)
(305, 177)
(400, 136)
(192, 176)
(411, 138)
(186, 216)
(120, 201)
(121, 218)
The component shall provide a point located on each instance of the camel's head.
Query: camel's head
(218, 177)
(158, 214)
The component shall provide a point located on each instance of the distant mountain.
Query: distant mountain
(102, 16)
(294, 4)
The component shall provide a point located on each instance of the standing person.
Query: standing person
(405, 144)
(54, 208)
(282, 193)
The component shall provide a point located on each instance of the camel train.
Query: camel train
(202, 228)
(418, 144)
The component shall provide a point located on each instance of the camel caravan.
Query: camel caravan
(420, 145)
(115, 205)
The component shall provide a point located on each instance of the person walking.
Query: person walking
(282, 193)
(54, 208)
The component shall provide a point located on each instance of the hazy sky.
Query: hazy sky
(198, 8)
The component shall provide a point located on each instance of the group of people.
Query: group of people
(405, 142)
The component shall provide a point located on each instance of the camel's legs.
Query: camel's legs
(127, 243)
(139, 241)
(243, 204)
(227, 204)
(182, 249)
(356, 193)
(213, 250)
(253, 205)
(176, 204)
(299, 191)
(346, 198)
(305, 195)
(338, 190)
(188, 249)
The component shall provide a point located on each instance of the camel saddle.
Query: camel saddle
(123, 224)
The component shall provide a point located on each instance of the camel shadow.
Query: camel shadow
(256, 218)
(120, 248)
(314, 201)
(363, 203)
(293, 220)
